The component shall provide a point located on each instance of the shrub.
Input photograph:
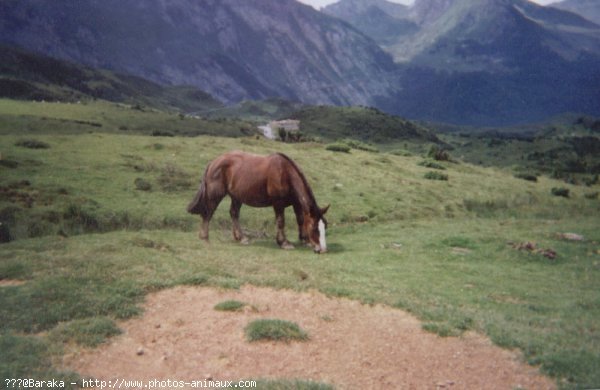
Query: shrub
(277, 330)
(560, 191)
(436, 176)
(439, 154)
(338, 147)
(290, 136)
(591, 195)
(526, 176)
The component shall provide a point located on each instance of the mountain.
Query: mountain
(232, 49)
(361, 123)
(382, 20)
(492, 61)
(474, 62)
(589, 9)
(28, 76)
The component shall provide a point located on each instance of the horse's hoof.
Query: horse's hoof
(287, 246)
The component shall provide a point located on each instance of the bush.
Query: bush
(526, 176)
(338, 147)
(435, 176)
(438, 154)
(560, 191)
(290, 136)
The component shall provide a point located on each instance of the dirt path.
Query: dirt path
(352, 346)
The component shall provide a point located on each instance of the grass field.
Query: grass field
(90, 241)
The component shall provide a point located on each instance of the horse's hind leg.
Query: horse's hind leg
(234, 212)
(280, 220)
(207, 216)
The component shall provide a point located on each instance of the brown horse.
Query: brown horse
(261, 181)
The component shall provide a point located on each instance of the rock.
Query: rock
(140, 351)
(571, 236)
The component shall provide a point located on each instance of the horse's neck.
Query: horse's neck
(303, 195)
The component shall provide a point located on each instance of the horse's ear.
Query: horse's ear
(324, 209)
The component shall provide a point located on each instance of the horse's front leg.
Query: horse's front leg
(300, 220)
(280, 221)
(234, 212)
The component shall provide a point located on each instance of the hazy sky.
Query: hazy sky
(321, 3)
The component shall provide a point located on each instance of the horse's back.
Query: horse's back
(250, 178)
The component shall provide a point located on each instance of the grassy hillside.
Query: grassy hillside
(97, 219)
(31, 118)
(361, 123)
(28, 76)
(568, 150)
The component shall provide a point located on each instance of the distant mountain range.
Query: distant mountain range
(484, 61)
(478, 62)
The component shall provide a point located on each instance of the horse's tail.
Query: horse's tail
(198, 204)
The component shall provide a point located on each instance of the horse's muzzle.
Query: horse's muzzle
(320, 250)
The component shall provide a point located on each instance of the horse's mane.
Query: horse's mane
(311, 196)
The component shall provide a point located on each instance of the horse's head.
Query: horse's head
(314, 226)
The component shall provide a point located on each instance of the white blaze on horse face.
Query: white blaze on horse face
(322, 242)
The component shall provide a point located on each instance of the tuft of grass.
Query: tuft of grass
(432, 175)
(274, 329)
(230, 305)
(459, 241)
(431, 164)
(194, 280)
(560, 191)
(32, 144)
(338, 147)
(526, 176)
(142, 185)
(88, 332)
(359, 145)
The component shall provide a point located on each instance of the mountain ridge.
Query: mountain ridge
(232, 49)
(479, 62)
(589, 9)
(511, 60)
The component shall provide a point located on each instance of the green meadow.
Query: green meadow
(93, 198)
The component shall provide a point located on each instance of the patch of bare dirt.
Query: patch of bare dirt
(11, 282)
(351, 346)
